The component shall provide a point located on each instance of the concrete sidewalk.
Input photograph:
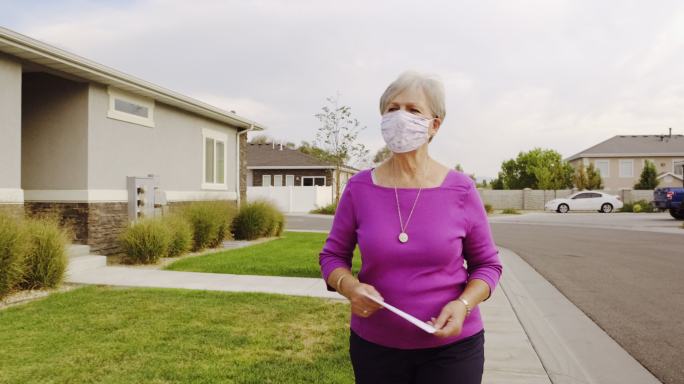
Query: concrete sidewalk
(509, 355)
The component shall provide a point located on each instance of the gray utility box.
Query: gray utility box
(145, 199)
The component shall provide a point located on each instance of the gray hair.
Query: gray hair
(429, 84)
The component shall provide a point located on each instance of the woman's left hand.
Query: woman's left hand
(450, 320)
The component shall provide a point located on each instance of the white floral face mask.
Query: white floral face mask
(403, 131)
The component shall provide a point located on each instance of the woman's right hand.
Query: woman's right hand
(360, 302)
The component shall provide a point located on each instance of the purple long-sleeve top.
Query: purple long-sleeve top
(448, 226)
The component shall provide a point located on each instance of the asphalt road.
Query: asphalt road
(629, 282)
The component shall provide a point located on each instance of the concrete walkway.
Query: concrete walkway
(509, 355)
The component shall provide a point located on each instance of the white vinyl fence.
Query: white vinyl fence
(293, 198)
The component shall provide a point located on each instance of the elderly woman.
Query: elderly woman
(416, 221)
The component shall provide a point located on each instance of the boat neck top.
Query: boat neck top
(374, 181)
(450, 243)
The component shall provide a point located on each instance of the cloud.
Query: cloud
(552, 73)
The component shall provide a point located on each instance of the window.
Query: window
(678, 167)
(132, 108)
(582, 196)
(265, 180)
(289, 180)
(214, 154)
(308, 181)
(603, 166)
(278, 180)
(627, 168)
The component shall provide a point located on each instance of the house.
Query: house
(271, 164)
(293, 180)
(77, 136)
(621, 159)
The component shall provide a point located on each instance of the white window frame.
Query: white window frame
(674, 171)
(314, 180)
(130, 98)
(626, 161)
(217, 136)
(278, 180)
(263, 179)
(289, 183)
(585, 162)
(607, 161)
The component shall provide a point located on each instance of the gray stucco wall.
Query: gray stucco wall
(172, 149)
(55, 132)
(10, 123)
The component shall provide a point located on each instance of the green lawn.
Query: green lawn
(121, 335)
(295, 254)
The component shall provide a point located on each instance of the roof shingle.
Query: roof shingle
(635, 145)
(261, 155)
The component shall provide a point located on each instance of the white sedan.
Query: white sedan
(585, 201)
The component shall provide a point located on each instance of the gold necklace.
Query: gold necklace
(403, 236)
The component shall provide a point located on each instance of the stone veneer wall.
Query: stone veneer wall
(106, 221)
(95, 224)
(74, 215)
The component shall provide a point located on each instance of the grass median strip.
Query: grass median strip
(295, 254)
(154, 335)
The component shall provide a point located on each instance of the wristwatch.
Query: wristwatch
(467, 305)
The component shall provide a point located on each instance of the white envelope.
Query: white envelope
(418, 323)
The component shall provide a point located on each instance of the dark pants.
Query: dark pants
(461, 362)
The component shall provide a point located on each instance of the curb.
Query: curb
(571, 347)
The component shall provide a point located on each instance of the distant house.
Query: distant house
(277, 165)
(73, 131)
(621, 159)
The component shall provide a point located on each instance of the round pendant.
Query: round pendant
(403, 237)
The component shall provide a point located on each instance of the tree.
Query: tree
(649, 177)
(588, 178)
(580, 178)
(536, 169)
(594, 178)
(381, 155)
(497, 183)
(338, 136)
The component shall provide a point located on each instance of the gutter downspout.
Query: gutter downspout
(237, 162)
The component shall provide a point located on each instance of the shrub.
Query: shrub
(510, 211)
(637, 206)
(489, 208)
(210, 222)
(146, 240)
(46, 257)
(181, 234)
(256, 219)
(13, 247)
(326, 209)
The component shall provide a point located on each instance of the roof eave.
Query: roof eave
(35, 51)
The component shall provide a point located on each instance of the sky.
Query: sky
(561, 75)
